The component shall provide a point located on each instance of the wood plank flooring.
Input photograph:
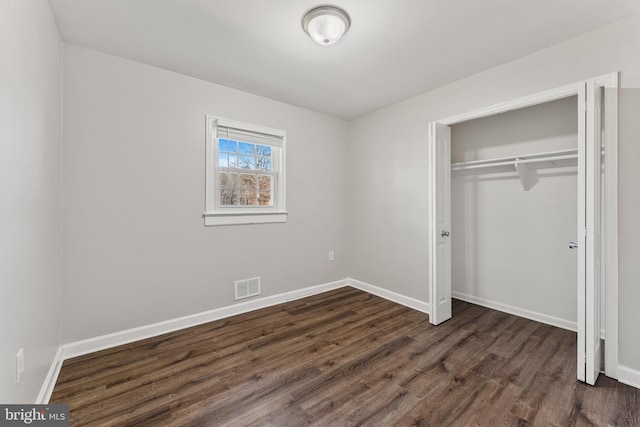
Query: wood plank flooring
(345, 358)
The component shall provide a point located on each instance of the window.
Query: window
(245, 179)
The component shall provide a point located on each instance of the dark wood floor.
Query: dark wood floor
(345, 358)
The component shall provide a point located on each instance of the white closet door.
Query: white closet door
(593, 220)
(589, 231)
(581, 233)
(440, 223)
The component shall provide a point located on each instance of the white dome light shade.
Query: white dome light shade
(326, 24)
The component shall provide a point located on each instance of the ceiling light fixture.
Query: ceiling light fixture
(326, 24)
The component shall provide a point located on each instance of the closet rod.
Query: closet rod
(547, 159)
(510, 161)
(519, 160)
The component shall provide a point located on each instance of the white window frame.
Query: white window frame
(231, 215)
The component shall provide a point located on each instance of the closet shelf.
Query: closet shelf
(521, 164)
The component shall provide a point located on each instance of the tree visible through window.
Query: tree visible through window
(245, 173)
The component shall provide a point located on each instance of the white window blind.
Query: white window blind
(249, 136)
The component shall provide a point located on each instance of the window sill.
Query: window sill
(214, 219)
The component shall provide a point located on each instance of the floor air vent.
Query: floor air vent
(247, 288)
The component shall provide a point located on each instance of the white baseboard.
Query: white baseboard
(50, 379)
(517, 311)
(391, 296)
(79, 348)
(629, 376)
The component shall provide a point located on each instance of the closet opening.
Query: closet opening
(523, 214)
(514, 212)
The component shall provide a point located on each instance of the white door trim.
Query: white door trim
(610, 83)
(514, 104)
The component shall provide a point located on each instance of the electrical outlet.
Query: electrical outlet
(332, 256)
(19, 365)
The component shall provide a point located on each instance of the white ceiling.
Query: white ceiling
(394, 50)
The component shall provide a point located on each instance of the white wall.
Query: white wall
(629, 222)
(510, 246)
(136, 250)
(388, 199)
(30, 146)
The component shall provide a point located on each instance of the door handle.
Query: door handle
(444, 233)
(573, 245)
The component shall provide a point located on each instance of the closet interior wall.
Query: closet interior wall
(510, 246)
